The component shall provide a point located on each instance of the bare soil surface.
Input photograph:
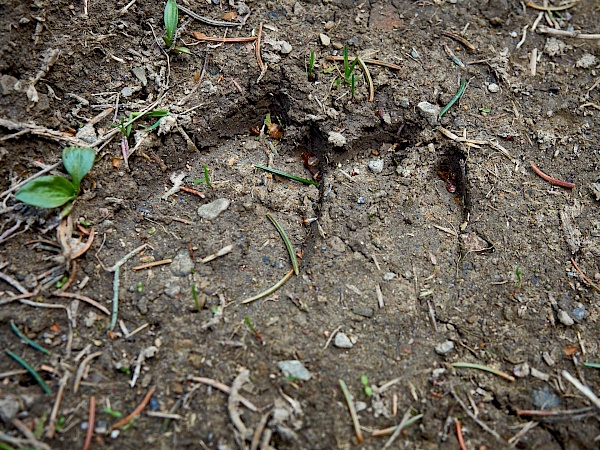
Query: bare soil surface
(426, 241)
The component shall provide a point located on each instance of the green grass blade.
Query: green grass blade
(592, 365)
(286, 175)
(271, 289)
(30, 369)
(459, 93)
(27, 340)
(288, 243)
(171, 18)
(465, 365)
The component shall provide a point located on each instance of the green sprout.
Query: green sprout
(171, 17)
(60, 423)
(195, 297)
(53, 191)
(140, 286)
(348, 67)
(365, 382)
(60, 283)
(251, 327)
(352, 86)
(311, 65)
(111, 412)
(206, 177)
(518, 273)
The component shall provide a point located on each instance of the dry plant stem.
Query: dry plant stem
(153, 264)
(473, 417)
(206, 20)
(31, 438)
(81, 369)
(459, 435)
(37, 130)
(226, 389)
(259, 430)
(551, 8)
(586, 279)
(582, 388)
(272, 289)
(397, 431)
(330, 338)
(352, 410)
(565, 33)
(545, 413)
(199, 37)
(375, 62)
(261, 64)
(192, 191)
(552, 180)
(234, 399)
(91, 424)
(14, 283)
(464, 365)
(362, 64)
(460, 39)
(85, 299)
(22, 442)
(137, 411)
(56, 407)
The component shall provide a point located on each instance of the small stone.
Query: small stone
(565, 319)
(405, 103)
(545, 398)
(337, 245)
(286, 47)
(87, 133)
(299, 9)
(429, 112)
(325, 40)
(126, 92)
(9, 407)
(363, 311)
(444, 348)
(172, 290)
(376, 165)
(7, 84)
(294, 368)
(493, 88)
(360, 406)
(336, 139)
(389, 276)
(342, 341)
(539, 375)
(586, 61)
(522, 370)
(115, 434)
(182, 264)
(338, 45)
(140, 74)
(329, 25)
(211, 210)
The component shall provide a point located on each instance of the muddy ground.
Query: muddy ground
(417, 250)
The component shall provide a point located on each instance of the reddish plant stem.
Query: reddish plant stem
(459, 435)
(136, 411)
(91, 421)
(552, 180)
(192, 191)
(257, 49)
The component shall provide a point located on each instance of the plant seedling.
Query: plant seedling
(348, 67)
(111, 412)
(518, 273)
(206, 177)
(365, 382)
(195, 297)
(53, 191)
(171, 18)
(126, 125)
(311, 65)
(251, 327)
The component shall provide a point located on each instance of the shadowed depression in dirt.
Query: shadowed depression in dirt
(304, 225)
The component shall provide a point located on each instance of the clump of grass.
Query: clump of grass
(349, 67)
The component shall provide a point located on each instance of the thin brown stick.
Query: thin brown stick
(81, 369)
(474, 417)
(459, 435)
(460, 39)
(192, 191)
(352, 410)
(375, 62)
(83, 298)
(259, 430)
(552, 180)
(136, 411)
(32, 440)
(91, 420)
(38, 130)
(226, 389)
(55, 408)
(202, 37)
(261, 64)
(162, 262)
(71, 278)
(551, 8)
(234, 398)
(547, 413)
(571, 34)
(586, 279)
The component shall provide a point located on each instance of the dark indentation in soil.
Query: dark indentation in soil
(452, 169)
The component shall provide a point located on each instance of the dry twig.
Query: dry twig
(137, 411)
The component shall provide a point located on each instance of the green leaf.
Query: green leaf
(47, 192)
(158, 113)
(183, 50)
(171, 19)
(78, 162)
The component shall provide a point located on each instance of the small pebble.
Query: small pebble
(360, 200)
(212, 210)
(493, 88)
(154, 405)
(429, 112)
(115, 434)
(522, 370)
(295, 369)
(444, 348)
(389, 276)
(376, 165)
(329, 25)
(336, 139)
(565, 319)
(286, 47)
(325, 40)
(342, 341)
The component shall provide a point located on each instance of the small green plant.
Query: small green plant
(348, 66)
(171, 17)
(518, 273)
(140, 286)
(195, 297)
(126, 125)
(111, 412)
(365, 382)
(352, 85)
(251, 327)
(311, 65)
(54, 191)
(60, 283)
(60, 423)
(206, 177)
